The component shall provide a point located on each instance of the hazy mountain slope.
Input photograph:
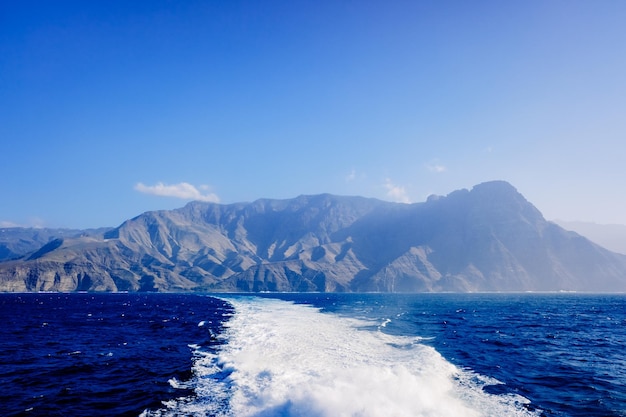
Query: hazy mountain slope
(16, 242)
(486, 239)
(609, 236)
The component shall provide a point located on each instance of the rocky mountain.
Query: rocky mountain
(485, 239)
(16, 242)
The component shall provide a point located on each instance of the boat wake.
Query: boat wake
(286, 359)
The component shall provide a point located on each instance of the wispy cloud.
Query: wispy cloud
(33, 222)
(396, 192)
(436, 167)
(182, 190)
(355, 176)
(7, 224)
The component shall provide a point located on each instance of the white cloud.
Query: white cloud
(436, 167)
(33, 222)
(396, 192)
(355, 176)
(7, 224)
(182, 190)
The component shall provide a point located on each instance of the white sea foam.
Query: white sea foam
(284, 359)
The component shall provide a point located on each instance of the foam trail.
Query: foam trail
(284, 359)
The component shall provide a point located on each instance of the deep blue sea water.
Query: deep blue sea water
(312, 355)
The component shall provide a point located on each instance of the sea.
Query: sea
(312, 354)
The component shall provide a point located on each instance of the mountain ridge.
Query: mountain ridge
(609, 236)
(489, 238)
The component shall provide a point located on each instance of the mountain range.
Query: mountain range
(489, 238)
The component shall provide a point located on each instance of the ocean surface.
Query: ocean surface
(316, 355)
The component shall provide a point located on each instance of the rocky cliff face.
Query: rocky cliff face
(486, 239)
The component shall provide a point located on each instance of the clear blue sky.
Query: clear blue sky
(104, 105)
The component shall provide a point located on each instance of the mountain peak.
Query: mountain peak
(495, 186)
(496, 189)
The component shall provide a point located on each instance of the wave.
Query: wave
(286, 359)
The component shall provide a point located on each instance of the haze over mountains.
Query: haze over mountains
(609, 236)
(489, 238)
(16, 242)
